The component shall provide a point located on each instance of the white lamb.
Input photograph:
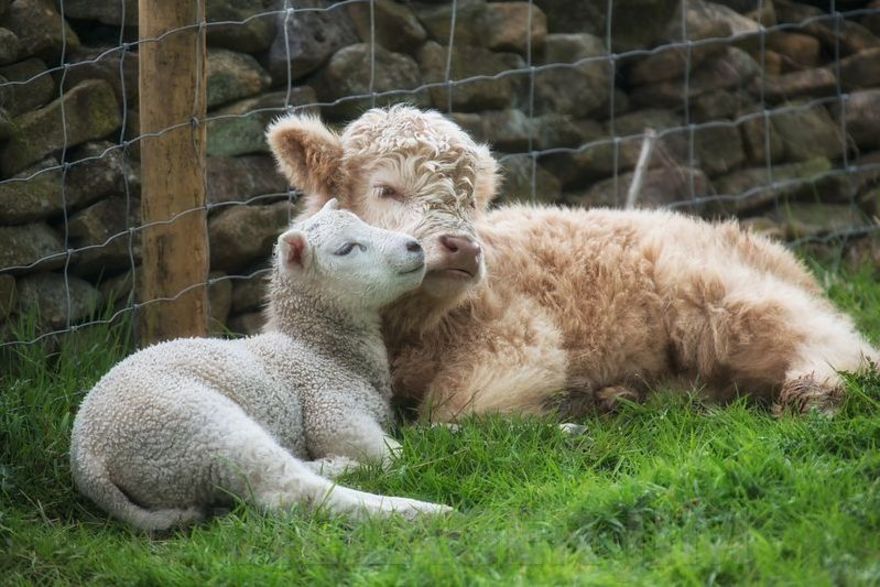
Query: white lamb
(184, 425)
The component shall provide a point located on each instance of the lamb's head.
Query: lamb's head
(336, 256)
(402, 169)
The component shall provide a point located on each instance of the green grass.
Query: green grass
(675, 491)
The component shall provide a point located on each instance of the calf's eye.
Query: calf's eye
(386, 191)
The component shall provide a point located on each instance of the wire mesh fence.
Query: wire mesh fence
(766, 110)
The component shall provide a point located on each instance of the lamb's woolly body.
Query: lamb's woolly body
(187, 424)
(579, 307)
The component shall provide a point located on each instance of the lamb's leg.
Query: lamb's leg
(766, 336)
(332, 467)
(349, 434)
(275, 480)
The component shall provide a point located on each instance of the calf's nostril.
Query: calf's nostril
(460, 245)
(413, 247)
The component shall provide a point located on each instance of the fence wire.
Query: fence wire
(121, 155)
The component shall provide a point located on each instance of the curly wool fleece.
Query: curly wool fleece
(184, 425)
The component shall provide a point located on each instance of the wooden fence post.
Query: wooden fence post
(172, 92)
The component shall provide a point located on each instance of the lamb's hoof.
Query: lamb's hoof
(333, 467)
(572, 429)
(413, 508)
(805, 394)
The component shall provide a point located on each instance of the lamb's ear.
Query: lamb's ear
(293, 250)
(332, 204)
(307, 153)
(486, 183)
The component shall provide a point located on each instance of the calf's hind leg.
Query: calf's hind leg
(756, 334)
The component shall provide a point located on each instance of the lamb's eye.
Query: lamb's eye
(345, 249)
(386, 191)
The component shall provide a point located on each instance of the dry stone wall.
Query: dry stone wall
(770, 115)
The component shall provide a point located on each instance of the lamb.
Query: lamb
(184, 425)
(535, 309)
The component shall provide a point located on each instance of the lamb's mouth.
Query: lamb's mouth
(411, 271)
(451, 273)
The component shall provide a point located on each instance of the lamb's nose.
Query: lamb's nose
(414, 247)
(461, 245)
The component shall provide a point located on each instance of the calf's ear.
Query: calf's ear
(487, 178)
(308, 153)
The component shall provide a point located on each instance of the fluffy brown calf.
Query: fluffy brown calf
(528, 309)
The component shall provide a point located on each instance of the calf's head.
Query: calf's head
(401, 169)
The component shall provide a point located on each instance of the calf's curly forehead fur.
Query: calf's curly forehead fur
(441, 161)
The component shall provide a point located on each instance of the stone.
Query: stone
(810, 83)
(104, 12)
(58, 301)
(249, 294)
(94, 172)
(808, 133)
(762, 142)
(240, 128)
(241, 235)
(468, 62)
(506, 27)
(849, 36)
(247, 324)
(101, 238)
(579, 89)
(717, 149)
(670, 64)
(661, 187)
(862, 118)
(35, 87)
(10, 46)
(219, 300)
(715, 105)
(105, 63)
(116, 290)
(40, 28)
(861, 70)
(316, 29)
(241, 179)
(247, 32)
(804, 220)
(799, 51)
(561, 130)
(437, 20)
(773, 62)
(517, 172)
(732, 68)
(98, 168)
(396, 26)
(752, 188)
(30, 246)
(31, 195)
(505, 130)
(232, 76)
(348, 74)
(8, 295)
(90, 111)
(613, 151)
(871, 21)
(564, 16)
(705, 20)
